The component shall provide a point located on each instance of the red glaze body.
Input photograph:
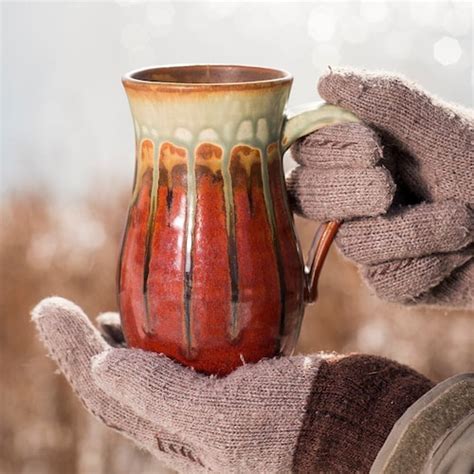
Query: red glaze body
(241, 296)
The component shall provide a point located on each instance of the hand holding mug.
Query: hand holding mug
(287, 414)
(404, 187)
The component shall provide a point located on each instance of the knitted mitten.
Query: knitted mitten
(319, 413)
(403, 182)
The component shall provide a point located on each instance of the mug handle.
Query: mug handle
(298, 122)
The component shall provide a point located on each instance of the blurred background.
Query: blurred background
(67, 167)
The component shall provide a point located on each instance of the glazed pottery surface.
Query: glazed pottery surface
(210, 271)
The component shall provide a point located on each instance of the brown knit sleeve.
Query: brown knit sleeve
(354, 403)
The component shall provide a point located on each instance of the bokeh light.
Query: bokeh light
(447, 51)
(322, 24)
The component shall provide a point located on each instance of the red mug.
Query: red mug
(210, 272)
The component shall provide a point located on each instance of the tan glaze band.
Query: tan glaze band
(205, 77)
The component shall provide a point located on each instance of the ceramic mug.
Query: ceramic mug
(210, 270)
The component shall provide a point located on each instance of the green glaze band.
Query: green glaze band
(308, 118)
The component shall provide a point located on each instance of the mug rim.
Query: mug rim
(275, 77)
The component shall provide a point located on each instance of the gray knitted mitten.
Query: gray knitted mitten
(404, 187)
(319, 413)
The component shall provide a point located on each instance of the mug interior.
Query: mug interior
(207, 74)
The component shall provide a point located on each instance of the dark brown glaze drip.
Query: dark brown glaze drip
(131, 270)
(167, 262)
(211, 284)
(259, 287)
(291, 263)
